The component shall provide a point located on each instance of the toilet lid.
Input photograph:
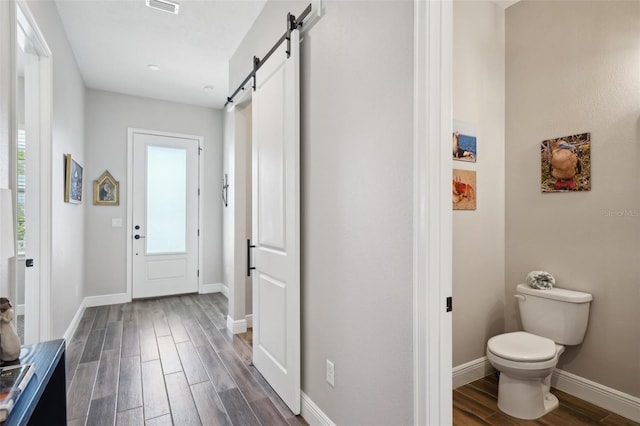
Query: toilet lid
(522, 346)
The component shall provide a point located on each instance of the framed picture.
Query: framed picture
(106, 190)
(566, 163)
(72, 181)
(464, 142)
(464, 189)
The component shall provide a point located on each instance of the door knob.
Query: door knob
(137, 237)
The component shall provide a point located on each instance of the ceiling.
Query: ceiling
(114, 42)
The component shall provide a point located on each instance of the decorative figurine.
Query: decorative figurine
(9, 340)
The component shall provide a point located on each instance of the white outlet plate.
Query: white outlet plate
(331, 373)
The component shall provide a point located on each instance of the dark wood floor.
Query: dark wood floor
(166, 361)
(477, 404)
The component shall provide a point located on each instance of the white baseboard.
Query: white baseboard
(224, 290)
(236, 326)
(312, 413)
(471, 371)
(249, 320)
(211, 288)
(613, 400)
(107, 299)
(74, 322)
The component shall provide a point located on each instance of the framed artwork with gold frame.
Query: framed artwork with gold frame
(72, 181)
(106, 190)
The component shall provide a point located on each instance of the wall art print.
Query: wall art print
(464, 189)
(72, 181)
(566, 163)
(106, 190)
(464, 142)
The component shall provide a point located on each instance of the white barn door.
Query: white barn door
(276, 222)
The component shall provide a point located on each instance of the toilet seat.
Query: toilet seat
(521, 346)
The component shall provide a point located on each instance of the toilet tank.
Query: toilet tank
(557, 314)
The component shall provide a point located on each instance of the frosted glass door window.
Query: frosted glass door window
(166, 200)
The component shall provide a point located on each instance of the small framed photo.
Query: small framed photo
(566, 163)
(464, 142)
(72, 181)
(464, 189)
(106, 190)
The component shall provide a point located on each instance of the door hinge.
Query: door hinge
(198, 232)
(198, 272)
(198, 192)
(449, 304)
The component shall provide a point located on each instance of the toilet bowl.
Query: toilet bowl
(525, 362)
(526, 359)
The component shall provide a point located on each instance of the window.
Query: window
(20, 193)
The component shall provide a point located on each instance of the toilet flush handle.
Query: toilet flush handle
(520, 297)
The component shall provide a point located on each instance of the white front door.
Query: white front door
(276, 223)
(164, 228)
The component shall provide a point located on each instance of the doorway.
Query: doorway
(32, 166)
(164, 206)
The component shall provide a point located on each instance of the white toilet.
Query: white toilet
(525, 359)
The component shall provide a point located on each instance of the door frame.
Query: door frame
(37, 299)
(432, 216)
(239, 169)
(129, 224)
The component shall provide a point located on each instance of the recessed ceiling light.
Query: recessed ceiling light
(164, 5)
(153, 67)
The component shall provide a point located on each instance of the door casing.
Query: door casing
(37, 281)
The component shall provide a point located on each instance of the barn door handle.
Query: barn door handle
(249, 267)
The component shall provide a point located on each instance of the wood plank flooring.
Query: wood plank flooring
(168, 361)
(477, 404)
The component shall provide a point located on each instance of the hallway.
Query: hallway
(166, 361)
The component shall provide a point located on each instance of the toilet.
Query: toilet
(551, 318)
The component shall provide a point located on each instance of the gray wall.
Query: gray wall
(236, 218)
(479, 235)
(67, 220)
(574, 67)
(356, 212)
(108, 116)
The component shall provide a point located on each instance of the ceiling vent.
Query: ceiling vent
(164, 5)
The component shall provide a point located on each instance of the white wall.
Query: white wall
(479, 235)
(237, 215)
(574, 67)
(67, 221)
(108, 116)
(356, 211)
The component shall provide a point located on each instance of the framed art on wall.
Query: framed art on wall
(464, 142)
(566, 163)
(464, 189)
(72, 181)
(106, 190)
